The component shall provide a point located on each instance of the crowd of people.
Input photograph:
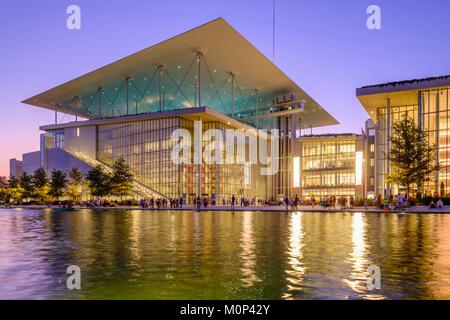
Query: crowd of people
(387, 203)
(392, 202)
(161, 203)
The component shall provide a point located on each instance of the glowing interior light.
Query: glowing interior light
(78, 132)
(358, 168)
(297, 172)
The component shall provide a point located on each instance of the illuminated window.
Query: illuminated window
(248, 175)
(372, 147)
(372, 162)
(296, 172)
(358, 168)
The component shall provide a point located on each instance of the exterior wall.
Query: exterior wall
(432, 113)
(15, 168)
(329, 166)
(370, 163)
(58, 159)
(31, 162)
(81, 140)
(147, 146)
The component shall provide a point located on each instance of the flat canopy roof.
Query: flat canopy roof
(171, 75)
(193, 114)
(400, 93)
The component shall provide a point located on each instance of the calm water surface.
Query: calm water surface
(223, 255)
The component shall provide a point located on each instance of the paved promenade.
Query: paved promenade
(416, 209)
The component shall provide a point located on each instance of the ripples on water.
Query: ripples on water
(223, 255)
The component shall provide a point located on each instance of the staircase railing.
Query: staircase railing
(138, 187)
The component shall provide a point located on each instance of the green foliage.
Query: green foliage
(26, 183)
(98, 182)
(40, 185)
(4, 189)
(121, 179)
(411, 157)
(57, 184)
(75, 184)
(15, 191)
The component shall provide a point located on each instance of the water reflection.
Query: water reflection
(359, 259)
(248, 255)
(296, 269)
(223, 255)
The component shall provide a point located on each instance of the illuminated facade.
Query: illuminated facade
(426, 101)
(330, 165)
(130, 108)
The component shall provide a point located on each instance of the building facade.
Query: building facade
(330, 165)
(131, 108)
(426, 101)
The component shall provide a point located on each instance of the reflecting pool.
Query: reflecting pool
(222, 255)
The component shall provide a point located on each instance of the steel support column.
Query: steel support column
(437, 188)
(257, 108)
(232, 94)
(198, 154)
(127, 87)
(99, 91)
(388, 143)
(199, 61)
(160, 87)
(421, 125)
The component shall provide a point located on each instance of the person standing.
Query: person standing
(286, 203)
(199, 203)
(233, 201)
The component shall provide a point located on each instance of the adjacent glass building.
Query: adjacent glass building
(331, 165)
(426, 101)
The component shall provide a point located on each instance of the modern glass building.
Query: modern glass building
(207, 78)
(427, 102)
(331, 165)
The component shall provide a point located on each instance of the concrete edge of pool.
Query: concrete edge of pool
(280, 209)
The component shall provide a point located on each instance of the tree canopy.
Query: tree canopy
(98, 182)
(412, 158)
(58, 184)
(121, 179)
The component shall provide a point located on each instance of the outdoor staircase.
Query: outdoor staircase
(139, 188)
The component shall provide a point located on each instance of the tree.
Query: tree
(412, 158)
(98, 182)
(4, 187)
(15, 190)
(122, 179)
(41, 185)
(58, 183)
(26, 183)
(75, 184)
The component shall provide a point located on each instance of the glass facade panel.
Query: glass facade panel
(146, 146)
(328, 168)
(435, 121)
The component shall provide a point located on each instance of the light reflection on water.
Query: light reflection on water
(223, 255)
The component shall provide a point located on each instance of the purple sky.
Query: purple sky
(323, 45)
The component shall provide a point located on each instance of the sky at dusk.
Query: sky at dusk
(323, 45)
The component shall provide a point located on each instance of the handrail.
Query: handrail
(144, 190)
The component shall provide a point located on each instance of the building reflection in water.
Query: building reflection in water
(296, 270)
(248, 255)
(135, 238)
(359, 258)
